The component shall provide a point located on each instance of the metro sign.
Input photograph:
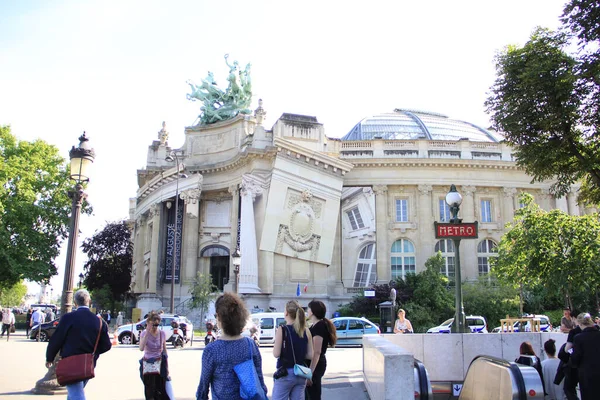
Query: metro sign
(466, 230)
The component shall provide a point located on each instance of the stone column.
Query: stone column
(561, 204)
(248, 245)
(425, 223)
(509, 204)
(233, 218)
(138, 253)
(572, 202)
(384, 272)
(155, 211)
(544, 200)
(189, 252)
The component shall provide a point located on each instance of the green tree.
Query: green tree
(545, 102)
(13, 296)
(203, 291)
(34, 208)
(491, 300)
(553, 249)
(110, 257)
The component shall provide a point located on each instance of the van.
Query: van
(268, 323)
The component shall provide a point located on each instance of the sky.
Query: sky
(118, 69)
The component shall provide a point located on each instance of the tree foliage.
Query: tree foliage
(110, 257)
(34, 208)
(546, 101)
(14, 295)
(203, 291)
(487, 298)
(558, 251)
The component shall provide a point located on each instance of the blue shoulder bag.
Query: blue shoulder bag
(250, 387)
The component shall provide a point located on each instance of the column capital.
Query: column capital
(190, 196)
(155, 210)
(425, 189)
(233, 189)
(468, 190)
(380, 189)
(509, 191)
(251, 187)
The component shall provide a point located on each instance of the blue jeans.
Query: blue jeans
(75, 391)
(289, 387)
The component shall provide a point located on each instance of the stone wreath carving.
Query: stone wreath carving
(284, 236)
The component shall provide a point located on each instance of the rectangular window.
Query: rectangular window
(402, 266)
(444, 211)
(401, 210)
(486, 211)
(484, 266)
(355, 218)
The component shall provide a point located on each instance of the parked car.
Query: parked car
(545, 325)
(126, 335)
(350, 330)
(46, 332)
(268, 323)
(476, 324)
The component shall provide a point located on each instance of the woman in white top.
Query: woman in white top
(549, 368)
(402, 325)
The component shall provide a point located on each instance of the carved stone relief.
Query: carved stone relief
(190, 196)
(284, 236)
(295, 198)
(424, 189)
(509, 191)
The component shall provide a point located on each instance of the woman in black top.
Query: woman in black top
(323, 335)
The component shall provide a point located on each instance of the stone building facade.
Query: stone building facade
(324, 215)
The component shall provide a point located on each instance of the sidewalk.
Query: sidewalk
(117, 376)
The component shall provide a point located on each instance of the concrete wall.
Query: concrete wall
(447, 356)
(387, 369)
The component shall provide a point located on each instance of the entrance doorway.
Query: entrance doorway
(219, 264)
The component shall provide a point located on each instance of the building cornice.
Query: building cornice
(318, 159)
(433, 163)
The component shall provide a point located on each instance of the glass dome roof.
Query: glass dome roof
(405, 124)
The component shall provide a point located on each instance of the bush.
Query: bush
(490, 300)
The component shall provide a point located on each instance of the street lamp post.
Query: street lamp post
(173, 156)
(454, 199)
(80, 280)
(82, 158)
(236, 259)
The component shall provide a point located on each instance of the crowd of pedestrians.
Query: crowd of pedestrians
(577, 363)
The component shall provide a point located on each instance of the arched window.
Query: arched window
(403, 258)
(214, 251)
(366, 267)
(446, 247)
(485, 250)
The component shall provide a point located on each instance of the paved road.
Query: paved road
(117, 376)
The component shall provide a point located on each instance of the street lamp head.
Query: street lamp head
(236, 258)
(169, 158)
(453, 198)
(82, 158)
(183, 176)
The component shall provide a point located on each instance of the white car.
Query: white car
(476, 324)
(129, 333)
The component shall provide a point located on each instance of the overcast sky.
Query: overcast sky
(117, 69)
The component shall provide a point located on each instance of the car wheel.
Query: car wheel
(125, 338)
(43, 336)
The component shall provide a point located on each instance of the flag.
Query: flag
(298, 290)
(305, 288)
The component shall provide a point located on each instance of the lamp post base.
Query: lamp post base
(48, 385)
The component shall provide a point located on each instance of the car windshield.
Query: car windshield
(447, 322)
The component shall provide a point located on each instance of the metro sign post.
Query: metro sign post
(456, 230)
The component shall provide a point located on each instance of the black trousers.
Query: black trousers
(570, 384)
(313, 392)
(154, 387)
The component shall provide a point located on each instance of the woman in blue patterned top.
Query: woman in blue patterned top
(221, 356)
(293, 345)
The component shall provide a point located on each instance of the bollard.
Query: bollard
(115, 341)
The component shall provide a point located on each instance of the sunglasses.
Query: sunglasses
(156, 324)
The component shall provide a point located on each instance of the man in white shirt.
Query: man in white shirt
(37, 318)
(8, 321)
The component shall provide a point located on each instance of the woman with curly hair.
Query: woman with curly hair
(154, 369)
(219, 357)
(323, 335)
(293, 345)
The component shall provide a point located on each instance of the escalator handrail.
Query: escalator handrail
(422, 373)
(514, 368)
